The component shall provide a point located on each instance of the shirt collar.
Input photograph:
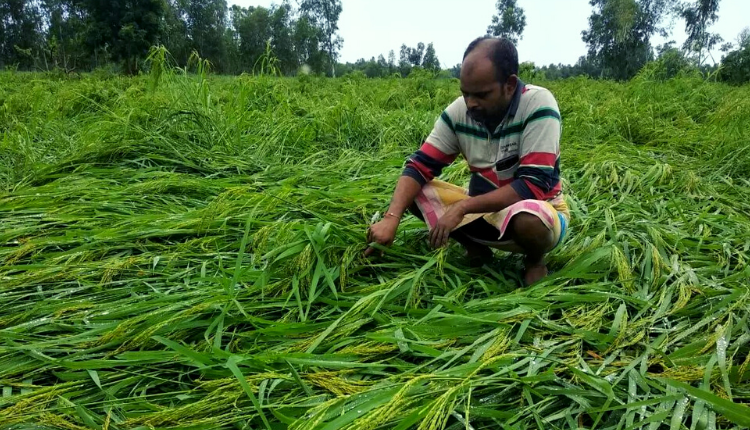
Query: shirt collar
(514, 103)
(513, 108)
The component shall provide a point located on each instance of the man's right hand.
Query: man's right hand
(383, 233)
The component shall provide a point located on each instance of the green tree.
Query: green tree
(372, 69)
(20, 32)
(735, 66)
(174, 32)
(206, 21)
(282, 38)
(619, 34)
(325, 15)
(509, 22)
(391, 62)
(699, 16)
(670, 62)
(456, 71)
(307, 43)
(416, 54)
(430, 60)
(64, 42)
(253, 28)
(128, 27)
(404, 66)
(383, 65)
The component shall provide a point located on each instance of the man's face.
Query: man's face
(486, 99)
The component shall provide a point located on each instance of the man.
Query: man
(509, 133)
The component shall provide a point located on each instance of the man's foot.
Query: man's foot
(534, 273)
(478, 255)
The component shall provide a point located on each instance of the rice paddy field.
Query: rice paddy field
(184, 251)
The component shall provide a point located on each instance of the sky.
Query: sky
(552, 35)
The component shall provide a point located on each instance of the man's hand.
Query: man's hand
(445, 225)
(383, 233)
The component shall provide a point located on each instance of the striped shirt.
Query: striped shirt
(523, 151)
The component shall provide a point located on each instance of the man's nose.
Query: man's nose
(471, 103)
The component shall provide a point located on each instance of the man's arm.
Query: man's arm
(420, 169)
(490, 202)
(494, 201)
(384, 232)
(440, 150)
(406, 191)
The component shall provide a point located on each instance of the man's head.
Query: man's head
(489, 78)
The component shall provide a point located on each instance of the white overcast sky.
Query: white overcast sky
(552, 34)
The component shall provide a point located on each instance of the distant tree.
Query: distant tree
(372, 69)
(619, 34)
(699, 16)
(726, 47)
(206, 21)
(307, 44)
(743, 39)
(20, 32)
(325, 14)
(456, 71)
(404, 65)
(129, 29)
(415, 55)
(233, 60)
(174, 32)
(383, 65)
(735, 66)
(430, 60)
(586, 65)
(527, 70)
(282, 37)
(509, 22)
(253, 28)
(669, 63)
(391, 61)
(63, 45)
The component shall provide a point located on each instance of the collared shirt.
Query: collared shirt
(523, 151)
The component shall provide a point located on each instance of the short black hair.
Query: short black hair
(503, 55)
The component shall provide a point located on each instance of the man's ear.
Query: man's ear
(511, 82)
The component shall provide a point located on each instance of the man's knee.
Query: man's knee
(530, 230)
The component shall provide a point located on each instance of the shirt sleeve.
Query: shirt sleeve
(539, 168)
(437, 152)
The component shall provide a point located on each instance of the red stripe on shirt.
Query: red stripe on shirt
(488, 173)
(422, 169)
(539, 158)
(432, 152)
(539, 194)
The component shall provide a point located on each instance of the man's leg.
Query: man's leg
(535, 239)
(476, 253)
(529, 234)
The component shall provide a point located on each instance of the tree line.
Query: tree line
(85, 34)
(619, 41)
(80, 35)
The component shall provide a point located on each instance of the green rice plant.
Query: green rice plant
(184, 251)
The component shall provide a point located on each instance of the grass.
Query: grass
(186, 253)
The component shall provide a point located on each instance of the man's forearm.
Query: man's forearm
(493, 201)
(406, 191)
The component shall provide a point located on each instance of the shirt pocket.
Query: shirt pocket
(506, 168)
